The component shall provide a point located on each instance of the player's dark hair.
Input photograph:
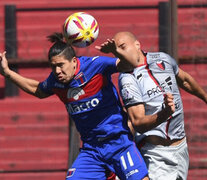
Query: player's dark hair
(60, 47)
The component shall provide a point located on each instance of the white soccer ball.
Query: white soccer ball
(80, 29)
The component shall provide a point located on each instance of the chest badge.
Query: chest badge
(161, 65)
(80, 79)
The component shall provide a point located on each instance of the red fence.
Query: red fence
(34, 133)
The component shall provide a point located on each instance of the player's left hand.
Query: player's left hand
(3, 63)
(107, 47)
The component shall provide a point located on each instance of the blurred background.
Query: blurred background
(37, 140)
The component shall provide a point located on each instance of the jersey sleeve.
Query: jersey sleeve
(129, 90)
(174, 64)
(46, 85)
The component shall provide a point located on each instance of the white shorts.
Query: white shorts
(166, 162)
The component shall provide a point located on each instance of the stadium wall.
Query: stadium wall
(34, 133)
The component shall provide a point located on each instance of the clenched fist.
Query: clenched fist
(4, 68)
(169, 103)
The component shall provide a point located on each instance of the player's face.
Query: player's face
(63, 69)
(129, 46)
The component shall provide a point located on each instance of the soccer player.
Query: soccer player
(84, 85)
(143, 89)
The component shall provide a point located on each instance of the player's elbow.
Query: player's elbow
(139, 125)
(140, 129)
(39, 94)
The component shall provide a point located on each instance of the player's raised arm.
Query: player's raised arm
(107, 47)
(110, 47)
(30, 86)
(189, 84)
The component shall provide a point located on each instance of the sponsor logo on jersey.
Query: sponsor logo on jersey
(84, 106)
(161, 88)
(161, 65)
(75, 93)
(168, 80)
(71, 172)
(154, 91)
(131, 173)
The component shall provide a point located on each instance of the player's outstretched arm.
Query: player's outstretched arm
(110, 47)
(142, 123)
(28, 85)
(189, 84)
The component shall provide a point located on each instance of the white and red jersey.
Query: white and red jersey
(147, 84)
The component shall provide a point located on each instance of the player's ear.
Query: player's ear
(137, 43)
(74, 59)
(74, 62)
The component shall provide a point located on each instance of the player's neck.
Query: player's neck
(141, 59)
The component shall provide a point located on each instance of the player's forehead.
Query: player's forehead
(58, 59)
(123, 39)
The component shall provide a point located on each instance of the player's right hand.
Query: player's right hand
(169, 103)
(107, 47)
(3, 63)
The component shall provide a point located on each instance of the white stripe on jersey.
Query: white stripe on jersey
(123, 162)
(131, 163)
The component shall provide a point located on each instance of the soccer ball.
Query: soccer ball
(80, 29)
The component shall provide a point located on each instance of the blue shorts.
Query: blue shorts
(120, 155)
